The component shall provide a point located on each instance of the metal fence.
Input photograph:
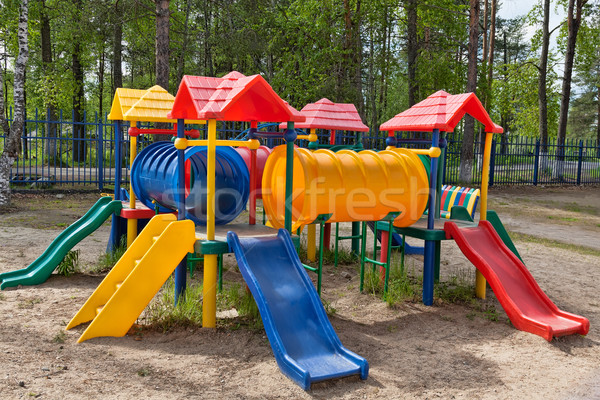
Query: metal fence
(524, 161)
(60, 152)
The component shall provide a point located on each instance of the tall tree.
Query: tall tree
(412, 50)
(543, 68)
(466, 151)
(162, 43)
(48, 70)
(79, 145)
(117, 70)
(574, 10)
(11, 145)
(162, 53)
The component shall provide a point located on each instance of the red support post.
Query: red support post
(385, 238)
(327, 236)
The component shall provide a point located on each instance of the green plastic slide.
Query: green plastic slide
(494, 219)
(41, 269)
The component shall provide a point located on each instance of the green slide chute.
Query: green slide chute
(41, 269)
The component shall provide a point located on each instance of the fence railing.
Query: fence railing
(58, 151)
(524, 161)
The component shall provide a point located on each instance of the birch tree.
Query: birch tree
(11, 146)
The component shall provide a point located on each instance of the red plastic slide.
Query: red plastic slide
(527, 306)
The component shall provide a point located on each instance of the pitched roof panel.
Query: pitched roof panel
(441, 111)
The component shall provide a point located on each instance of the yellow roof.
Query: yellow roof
(150, 105)
(123, 101)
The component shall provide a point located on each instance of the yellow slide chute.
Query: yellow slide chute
(351, 186)
(136, 278)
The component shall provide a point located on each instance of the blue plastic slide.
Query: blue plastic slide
(304, 343)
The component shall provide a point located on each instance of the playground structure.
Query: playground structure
(189, 176)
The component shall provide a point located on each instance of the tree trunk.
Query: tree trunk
(162, 54)
(79, 145)
(490, 50)
(50, 101)
(357, 52)
(117, 70)
(181, 63)
(11, 144)
(466, 153)
(573, 23)
(162, 43)
(208, 60)
(412, 51)
(598, 124)
(542, 97)
(101, 63)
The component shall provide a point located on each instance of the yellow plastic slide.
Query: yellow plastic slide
(136, 278)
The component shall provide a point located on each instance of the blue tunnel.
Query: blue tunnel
(154, 178)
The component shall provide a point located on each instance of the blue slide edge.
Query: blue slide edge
(286, 363)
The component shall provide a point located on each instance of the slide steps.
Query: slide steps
(136, 277)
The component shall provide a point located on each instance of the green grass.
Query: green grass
(29, 303)
(70, 264)
(568, 219)
(162, 313)
(402, 286)
(516, 236)
(236, 296)
(107, 260)
(458, 288)
(60, 337)
(144, 371)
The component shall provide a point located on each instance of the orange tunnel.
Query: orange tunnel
(351, 186)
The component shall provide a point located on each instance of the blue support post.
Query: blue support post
(289, 137)
(580, 162)
(536, 165)
(430, 245)
(181, 270)
(100, 154)
(492, 163)
(115, 231)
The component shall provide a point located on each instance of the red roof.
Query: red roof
(441, 111)
(325, 114)
(234, 97)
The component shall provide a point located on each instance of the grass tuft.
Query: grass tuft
(107, 260)
(236, 296)
(162, 313)
(60, 337)
(70, 264)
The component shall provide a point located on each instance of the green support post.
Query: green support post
(289, 174)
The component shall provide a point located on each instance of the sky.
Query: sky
(516, 8)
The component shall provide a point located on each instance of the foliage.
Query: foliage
(351, 51)
(164, 315)
(108, 259)
(238, 297)
(70, 264)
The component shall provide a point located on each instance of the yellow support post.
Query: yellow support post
(311, 246)
(131, 223)
(209, 289)
(480, 283)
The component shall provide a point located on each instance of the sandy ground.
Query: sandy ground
(449, 351)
